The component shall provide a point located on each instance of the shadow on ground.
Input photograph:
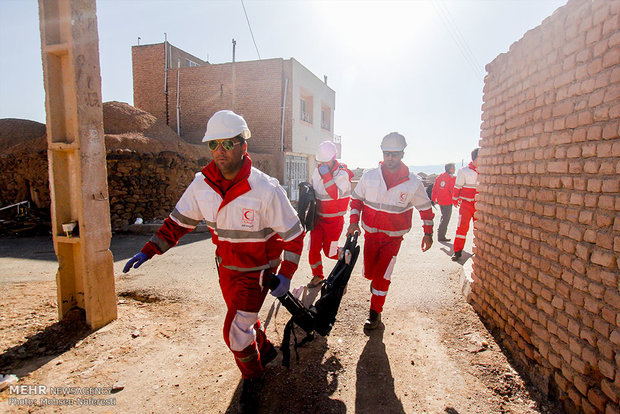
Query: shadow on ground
(123, 246)
(375, 383)
(305, 387)
(46, 345)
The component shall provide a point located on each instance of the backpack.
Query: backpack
(306, 207)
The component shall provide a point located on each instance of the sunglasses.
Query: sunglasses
(392, 154)
(227, 144)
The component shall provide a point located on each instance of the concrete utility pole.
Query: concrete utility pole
(77, 159)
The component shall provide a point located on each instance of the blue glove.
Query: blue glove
(323, 169)
(138, 259)
(283, 286)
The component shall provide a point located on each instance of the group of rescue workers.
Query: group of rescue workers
(459, 191)
(257, 231)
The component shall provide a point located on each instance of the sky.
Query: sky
(415, 67)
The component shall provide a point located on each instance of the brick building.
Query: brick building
(547, 242)
(288, 109)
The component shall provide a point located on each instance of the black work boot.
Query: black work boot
(373, 321)
(457, 255)
(250, 395)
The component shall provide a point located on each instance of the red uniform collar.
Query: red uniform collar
(228, 189)
(392, 179)
(472, 166)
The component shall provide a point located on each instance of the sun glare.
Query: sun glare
(376, 28)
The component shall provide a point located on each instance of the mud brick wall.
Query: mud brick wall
(547, 239)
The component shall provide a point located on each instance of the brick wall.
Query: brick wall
(547, 241)
(148, 79)
(204, 90)
(253, 89)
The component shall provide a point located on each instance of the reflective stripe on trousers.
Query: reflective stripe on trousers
(466, 212)
(244, 297)
(324, 237)
(379, 261)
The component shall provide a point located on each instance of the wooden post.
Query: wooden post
(77, 159)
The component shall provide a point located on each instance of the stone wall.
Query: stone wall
(547, 241)
(145, 185)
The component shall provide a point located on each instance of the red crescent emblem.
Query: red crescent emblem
(247, 216)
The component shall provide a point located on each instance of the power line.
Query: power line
(455, 37)
(460, 35)
(458, 38)
(248, 20)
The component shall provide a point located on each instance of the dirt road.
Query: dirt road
(165, 352)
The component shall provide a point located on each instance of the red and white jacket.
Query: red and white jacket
(465, 185)
(442, 189)
(388, 212)
(332, 191)
(251, 223)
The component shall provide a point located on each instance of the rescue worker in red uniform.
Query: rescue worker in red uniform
(253, 224)
(464, 195)
(331, 182)
(383, 202)
(442, 195)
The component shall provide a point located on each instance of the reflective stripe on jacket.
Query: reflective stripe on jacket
(389, 212)
(332, 192)
(250, 230)
(465, 185)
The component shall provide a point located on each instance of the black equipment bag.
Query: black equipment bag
(321, 317)
(334, 286)
(306, 207)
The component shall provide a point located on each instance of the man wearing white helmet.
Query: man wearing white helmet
(463, 197)
(331, 182)
(383, 202)
(253, 224)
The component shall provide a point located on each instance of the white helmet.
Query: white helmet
(226, 124)
(393, 142)
(327, 151)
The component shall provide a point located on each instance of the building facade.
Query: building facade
(288, 109)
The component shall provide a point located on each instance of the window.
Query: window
(305, 107)
(326, 118)
(190, 63)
